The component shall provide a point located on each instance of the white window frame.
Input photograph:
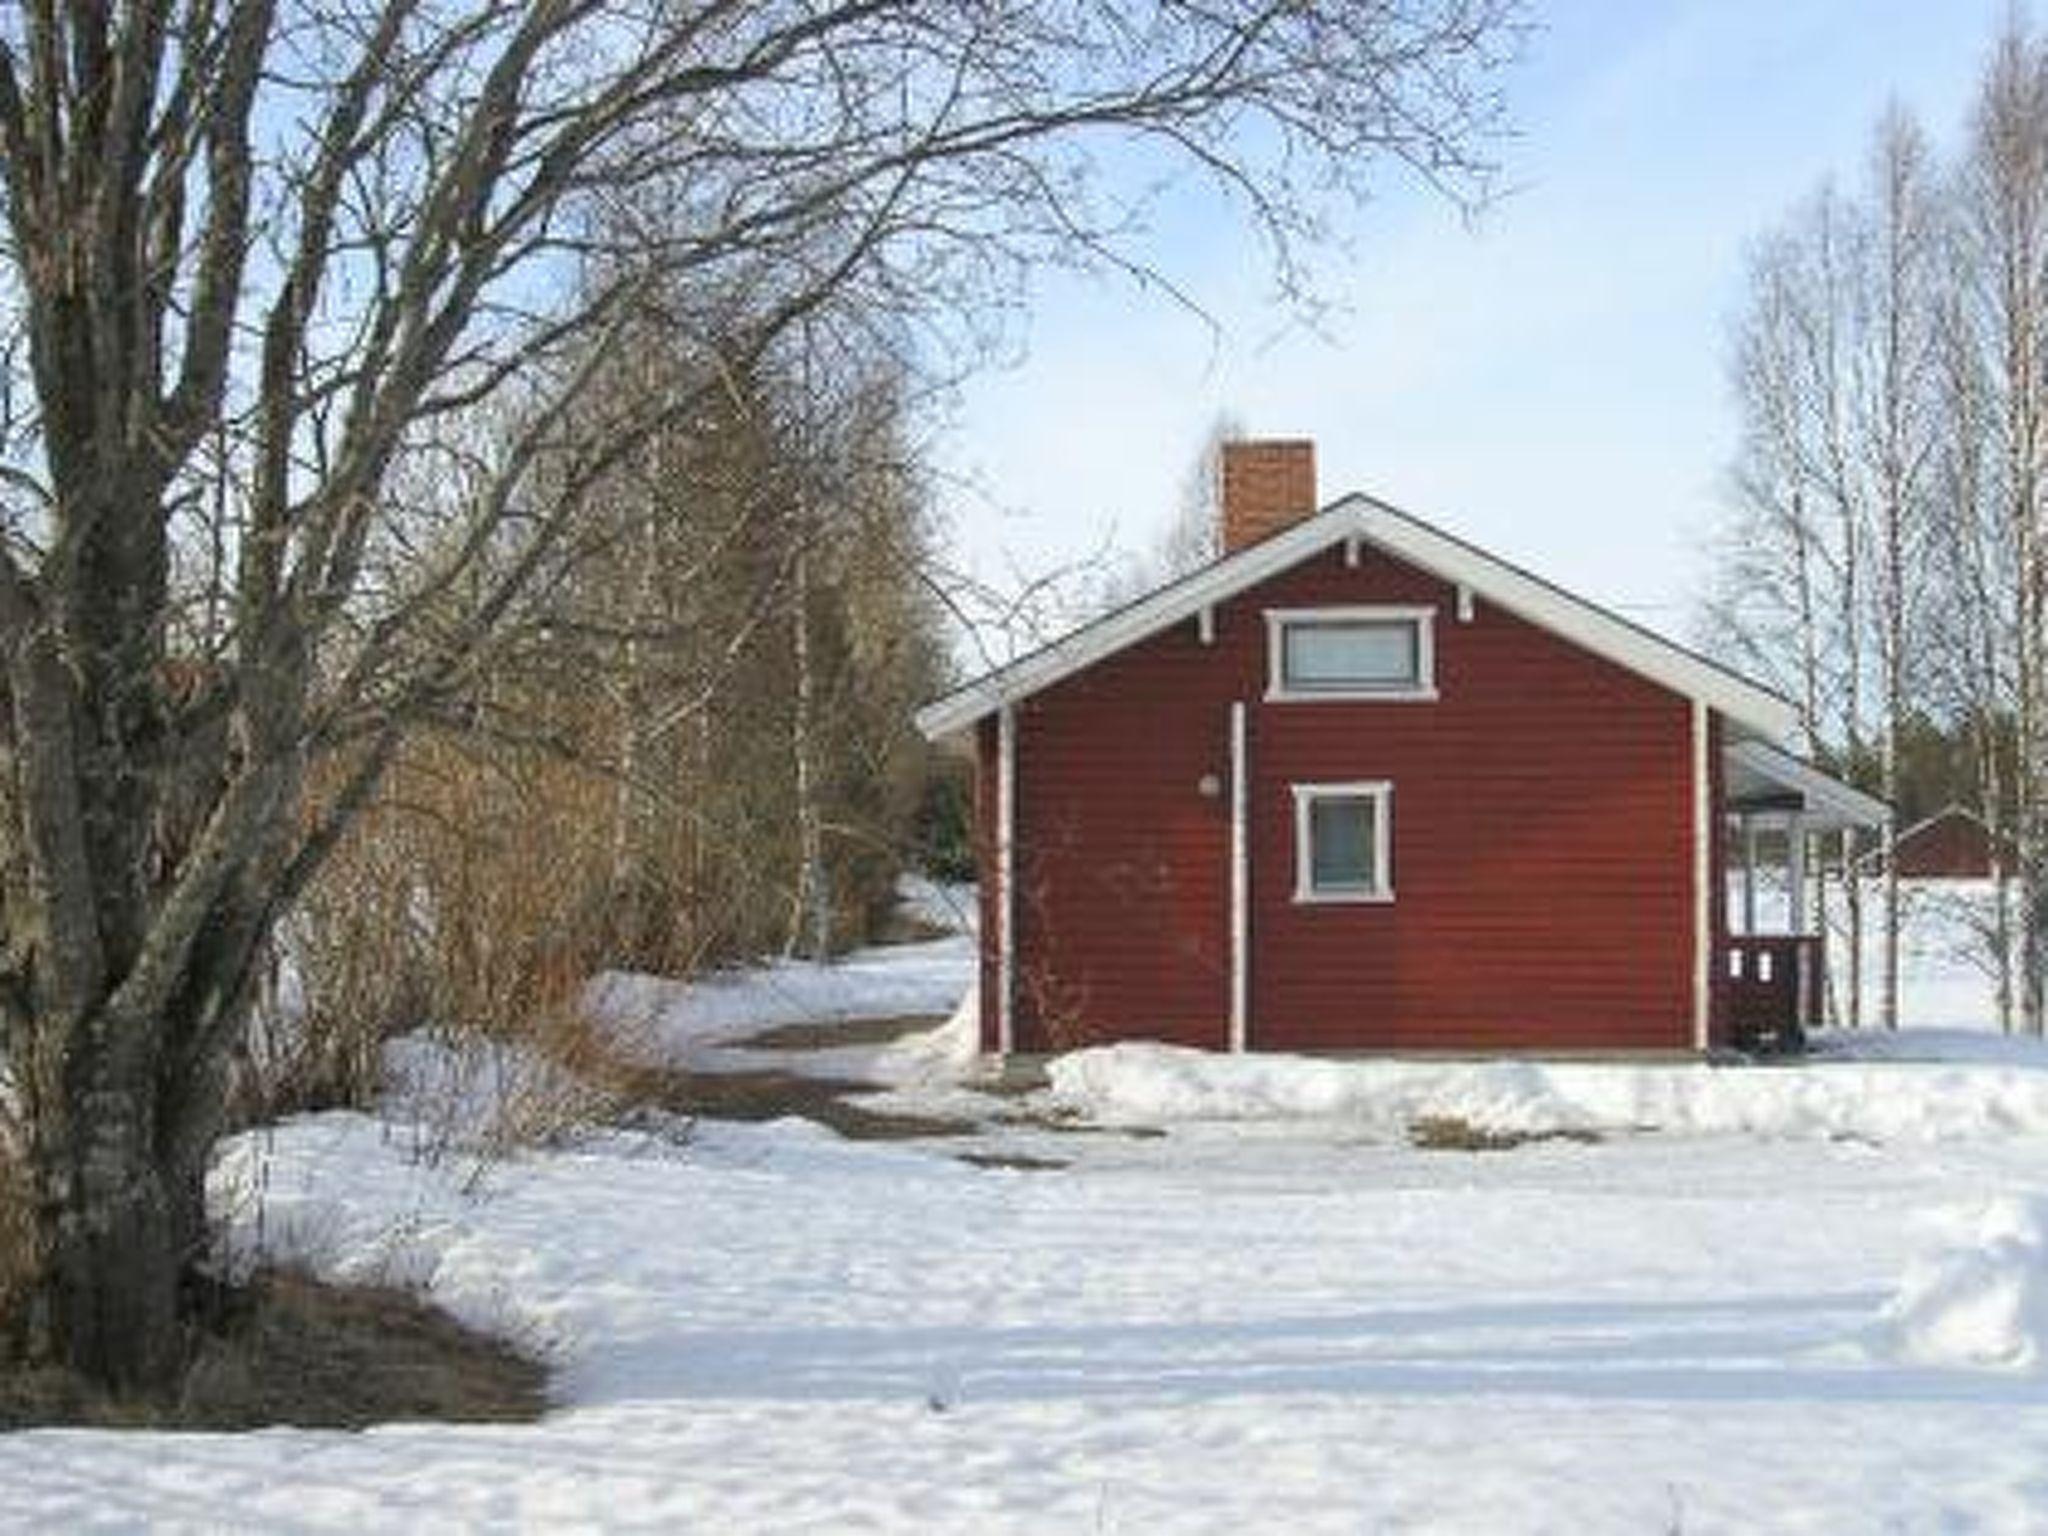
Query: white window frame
(1422, 616)
(1381, 891)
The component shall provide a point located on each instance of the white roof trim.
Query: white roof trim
(1592, 628)
(1953, 808)
(1828, 801)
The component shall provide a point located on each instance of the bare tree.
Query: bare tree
(297, 246)
(1969, 639)
(1795, 578)
(1899, 403)
(2004, 220)
(1890, 372)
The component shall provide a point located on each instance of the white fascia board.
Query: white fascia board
(1625, 644)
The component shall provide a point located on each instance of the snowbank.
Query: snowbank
(1881, 1101)
(943, 904)
(1979, 1301)
(890, 981)
(940, 1057)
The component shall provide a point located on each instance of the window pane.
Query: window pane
(1373, 654)
(1343, 836)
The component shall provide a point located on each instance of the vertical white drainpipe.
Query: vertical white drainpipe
(1702, 877)
(1240, 884)
(1006, 875)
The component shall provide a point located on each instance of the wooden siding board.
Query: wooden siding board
(1542, 859)
(1123, 874)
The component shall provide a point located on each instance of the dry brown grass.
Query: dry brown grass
(1452, 1133)
(286, 1349)
(291, 1350)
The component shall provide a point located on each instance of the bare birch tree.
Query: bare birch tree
(1792, 597)
(1890, 370)
(1899, 428)
(2003, 200)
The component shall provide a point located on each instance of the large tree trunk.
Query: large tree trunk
(117, 1229)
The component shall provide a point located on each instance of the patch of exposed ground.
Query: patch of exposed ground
(1020, 1162)
(830, 1102)
(1450, 1133)
(826, 1036)
(1068, 1122)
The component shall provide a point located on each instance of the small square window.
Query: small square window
(1342, 835)
(1351, 653)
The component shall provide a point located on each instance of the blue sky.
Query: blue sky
(1549, 382)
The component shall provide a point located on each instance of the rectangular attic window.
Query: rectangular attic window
(1351, 653)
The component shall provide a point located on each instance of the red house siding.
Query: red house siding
(1123, 871)
(1542, 843)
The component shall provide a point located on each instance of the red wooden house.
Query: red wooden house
(1360, 785)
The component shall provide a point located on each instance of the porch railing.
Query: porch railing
(1772, 987)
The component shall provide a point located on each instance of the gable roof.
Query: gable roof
(1954, 810)
(1748, 705)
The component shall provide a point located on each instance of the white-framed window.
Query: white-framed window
(1343, 841)
(1380, 652)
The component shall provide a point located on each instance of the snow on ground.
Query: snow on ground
(1811, 1301)
(705, 1023)
(1945, 975)
(1978, 1300)
(898, 980)
(1228, 1329)
(939, 903)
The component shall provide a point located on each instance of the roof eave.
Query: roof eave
(1138, 621)
(1530, 597)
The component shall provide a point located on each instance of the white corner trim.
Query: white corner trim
(1006, 876)
(1240, 883)
(1205, 624)
(1702, 877)
(1465, 603)
(1381, 892)
(1351, 552)
(1421, 691)
(1409, 539)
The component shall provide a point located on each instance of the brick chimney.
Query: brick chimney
(1267, 485)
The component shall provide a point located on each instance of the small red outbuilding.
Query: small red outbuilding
(1952, 844)
(1360, 785)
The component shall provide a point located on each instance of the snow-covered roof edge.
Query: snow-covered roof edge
(1835, 802)
(1409, 538)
